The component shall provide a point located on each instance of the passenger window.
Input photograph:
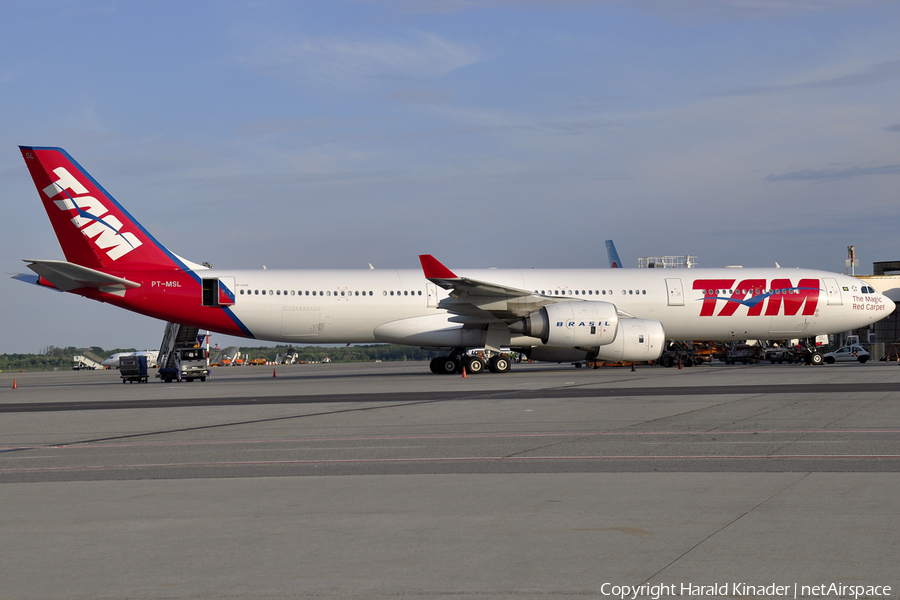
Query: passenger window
(278, 293)
(264, 292)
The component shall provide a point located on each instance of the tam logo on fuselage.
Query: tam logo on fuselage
(91, 218)
(755, 294)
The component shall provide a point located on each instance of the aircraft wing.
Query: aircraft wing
(440, 275)
(66, 276)
(482, 301)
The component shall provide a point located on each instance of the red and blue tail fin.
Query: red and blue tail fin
(93, 229)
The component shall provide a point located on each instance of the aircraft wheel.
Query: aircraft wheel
(474, 365)
(499, 364)
(816, 358)
(446, 366)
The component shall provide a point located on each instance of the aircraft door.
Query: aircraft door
(218, 291)
(675, 292)
(833, 291)
(431, 290)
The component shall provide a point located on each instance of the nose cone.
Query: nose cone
(889, 304)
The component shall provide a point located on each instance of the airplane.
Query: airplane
(558, 315)
(112, 361)
(614, 261)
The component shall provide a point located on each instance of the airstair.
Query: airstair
(175, 336)
(82, 362)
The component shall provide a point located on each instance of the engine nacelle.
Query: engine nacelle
(636, 340)
(571, 324)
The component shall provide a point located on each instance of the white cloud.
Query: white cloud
(344, 63)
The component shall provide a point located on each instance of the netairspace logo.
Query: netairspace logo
(655, 591)
(92, 218)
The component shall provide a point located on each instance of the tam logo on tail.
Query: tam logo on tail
(92, 218)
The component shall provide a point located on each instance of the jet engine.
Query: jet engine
(571, 324)
(636, 340)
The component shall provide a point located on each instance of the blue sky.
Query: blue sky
(488, 133)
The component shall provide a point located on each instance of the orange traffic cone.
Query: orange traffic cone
(273, 373)
(15, 385)
(679, 364)
(464, 371)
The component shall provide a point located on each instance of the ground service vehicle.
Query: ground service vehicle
(190, 364)
(853, 352)
(133, 368)
(779, 354)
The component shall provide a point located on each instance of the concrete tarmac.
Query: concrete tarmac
(383, 480)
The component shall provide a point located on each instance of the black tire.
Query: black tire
(474, 365)
(828, 359)
(447, 366)
(862, 359)
(499, 364)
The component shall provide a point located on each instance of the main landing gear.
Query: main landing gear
(454, 363)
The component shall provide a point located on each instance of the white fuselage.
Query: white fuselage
(338, 306)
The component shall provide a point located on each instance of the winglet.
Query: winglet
(434, 269)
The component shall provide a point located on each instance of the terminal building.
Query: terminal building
(885, 334)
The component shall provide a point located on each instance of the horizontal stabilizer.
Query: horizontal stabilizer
(32, 279)
(66, 276)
